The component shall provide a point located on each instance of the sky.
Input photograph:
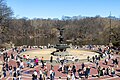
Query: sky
(58, 8)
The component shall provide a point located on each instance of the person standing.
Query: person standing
(112, 71)
(51, 59)
(108, 71)
(4, 71)
(52, 67)
(106, 61)
(88, 58)
(96, 63)
(83, 65)
(19, 74)
(87, 72)
(12, 56)
(36, 61)
(7, 66)
(14, 75)
(21, 65)
(74, 72)
(93, 58)
(35, 75)
(98, 70)
(53, 75)
(42, 61)
(73, 76)
(116, 62)
(10, 70)
(45, 72)
(40, 75)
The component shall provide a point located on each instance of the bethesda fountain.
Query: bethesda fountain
(61, 47)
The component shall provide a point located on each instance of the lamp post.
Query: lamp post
(110, 33)
(110, 30)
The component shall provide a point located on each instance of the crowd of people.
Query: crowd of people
(72, 71)
(14, 71)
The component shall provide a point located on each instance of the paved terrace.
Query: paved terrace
(27, 72)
